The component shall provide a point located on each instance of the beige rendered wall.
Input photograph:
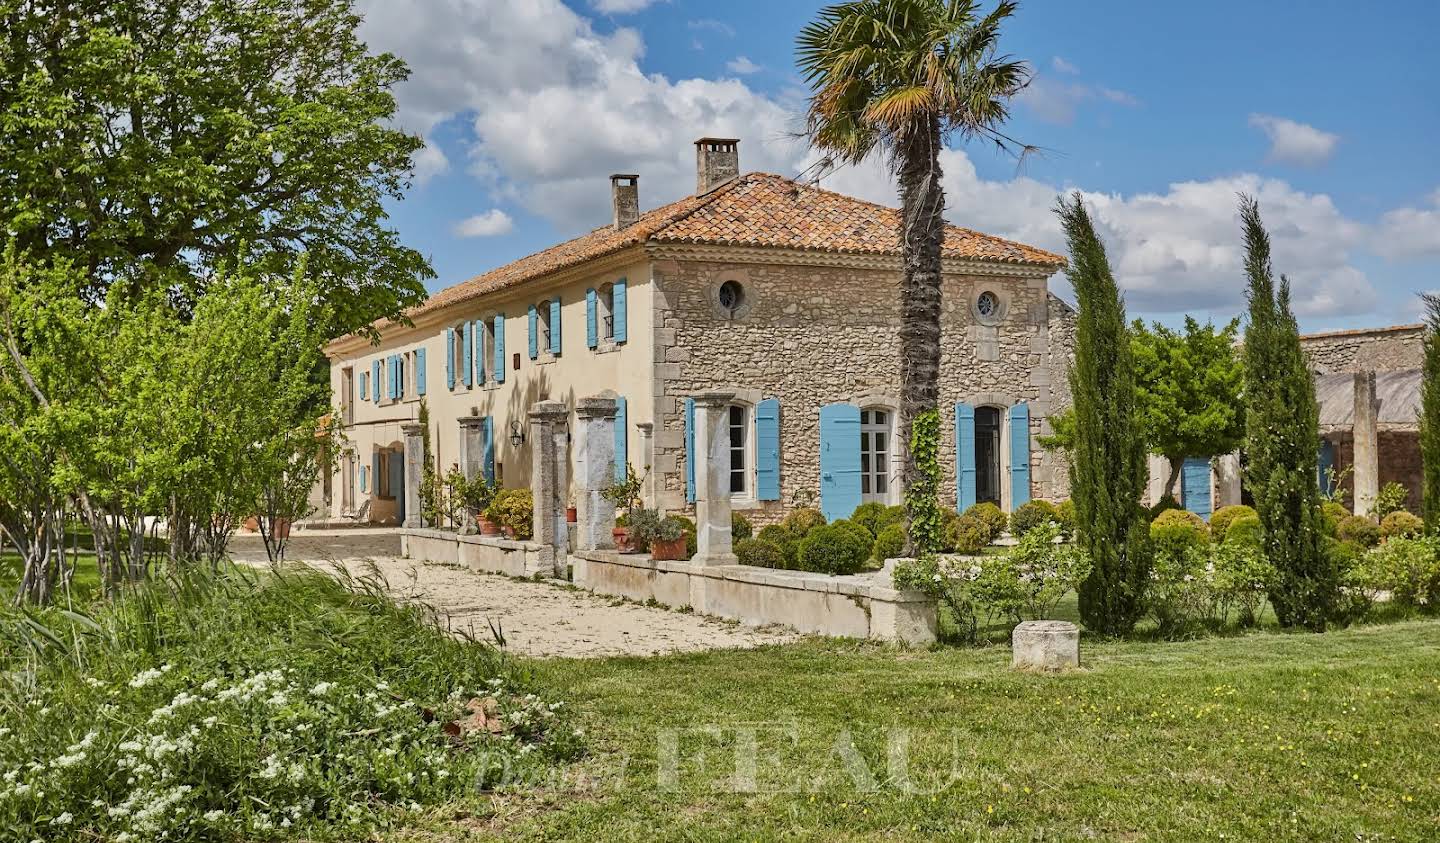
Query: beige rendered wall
(578, 371)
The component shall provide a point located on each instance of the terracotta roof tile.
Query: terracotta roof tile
(758, 209)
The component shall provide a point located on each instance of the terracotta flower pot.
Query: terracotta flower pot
(280, 529)
(621, 535)
(671, 550)
(509, 531)
(571, 516)
(488, 527)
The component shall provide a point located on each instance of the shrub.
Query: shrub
(1030, 515)
(513, 508)
(877, 516)
(1244, 531)
(644, 527)
(785, 540)
(688, 528)
(1401, 524)
(833, 550)
(948, 517)
(1359, 530)
(1391, 498)
(967, 535)
(861, 534)
(1175, 532)
(804, 519)
(991, 517)
(1165, 504)
(1042, 572)
(1221, 519)
(1065, 517)
(890, 544)
(740, 527)
(1333, 512)
(1408, 568)
(760, 553)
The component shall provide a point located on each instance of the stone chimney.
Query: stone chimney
(625, 195)
(717, 160)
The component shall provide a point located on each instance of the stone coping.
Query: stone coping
(485, 541)
(875, 585)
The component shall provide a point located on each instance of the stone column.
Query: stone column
(414, 466)
(545, 418)
(1227, 479)
(471, 459)
(647, 455)
(1367, 443)
(594, 472)
(712, 480)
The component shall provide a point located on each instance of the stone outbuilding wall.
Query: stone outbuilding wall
(1365, 350)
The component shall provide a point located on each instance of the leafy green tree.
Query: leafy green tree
(1282, 437)
(1108, 473)
(1430, 416)
(146, 141)
(1189, 385)
(901, 77)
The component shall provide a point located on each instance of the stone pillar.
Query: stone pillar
(594, 472)
(647, 455)
(414, 466)
(1227, 479)
(712, 480)
(472, 458)
(549, 517)
(1045, 645)
(1367, 443)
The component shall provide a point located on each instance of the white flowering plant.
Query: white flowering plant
(293, 708)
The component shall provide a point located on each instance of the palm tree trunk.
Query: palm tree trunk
(922, 202)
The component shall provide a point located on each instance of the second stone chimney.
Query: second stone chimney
(625, 196)
(717, 160)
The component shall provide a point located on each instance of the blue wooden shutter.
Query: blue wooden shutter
(478, 328)
(375, 376)
(499, 348)
(1324, 463)
(592, 327)
(622, 438)
(534, 334)
(555, 325)
(420, 371)
(487, 449)
(767, 450)
(1019, 455)
(618, 306)
(450, 357)
(1195, 486)
(375, 475)
(364, 469)
(964, 456)
(839, 460)
(467, 354)
(689, 450)
(397, 482)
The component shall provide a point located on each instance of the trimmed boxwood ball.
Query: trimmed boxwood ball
(1165, 504)
(1065, 515)
(991, 517)
(1360, 530)
(760, 553)
(967, 535)
(803, 520)
(860, 533)
(785, 540)
(1031, 515)
(1334, 513)
(877, 516)
(1221, 518)
(1244, 531)
(740, 527)
(890, 544)
(1175, 531)
(830, 549)
(1401, 524)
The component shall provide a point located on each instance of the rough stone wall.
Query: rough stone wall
(1399, 462)
(1378, 349)
(811, 336)
(1062, 355)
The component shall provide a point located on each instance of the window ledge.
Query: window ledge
(545, 359)
(607, 346)
(748, 504)
(491, 386)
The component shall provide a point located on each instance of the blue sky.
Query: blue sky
(1158, 112)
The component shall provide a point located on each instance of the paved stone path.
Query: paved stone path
(536, 618)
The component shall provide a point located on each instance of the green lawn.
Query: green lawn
(1262, 736)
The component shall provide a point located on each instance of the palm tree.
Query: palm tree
(900, 77)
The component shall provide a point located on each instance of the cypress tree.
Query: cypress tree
(1109, 471)
(1430, 416)
(1282, 425)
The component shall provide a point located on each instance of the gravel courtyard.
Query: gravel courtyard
(537, 618)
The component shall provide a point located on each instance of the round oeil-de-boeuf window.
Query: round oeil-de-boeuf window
(988, 305)
(731, 296)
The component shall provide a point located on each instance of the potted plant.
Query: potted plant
(668, 542)
(514, 511)
(472, 496)
(572, 515)
(625, 494)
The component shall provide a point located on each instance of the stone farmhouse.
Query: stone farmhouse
(778, 294)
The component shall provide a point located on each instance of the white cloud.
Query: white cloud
(1057, 100)
(1062, 66)
(430, 162)
(1406, 233)
(620, 7)
(1295, 143)
(742, 65)
(711, 25)
(492, 223)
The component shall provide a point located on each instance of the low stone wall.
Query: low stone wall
(861, 606)
(488, 554)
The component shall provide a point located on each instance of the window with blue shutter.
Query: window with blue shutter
(767, 450)
(555, 325)
(467, 354)
(592, 317)
(450, 358)
(622, 438)
(964, 456)
(364, 386)
(689, 450)
(1195, 486)
(1324, 466)
(1019, 455)
(376, 380)
(365, 478)
(617, 309)
(420, 371)
(499, 348)
(487, 449)
(839, 460)
(534, 333)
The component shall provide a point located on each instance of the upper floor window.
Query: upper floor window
(607, 311)
(543, 320)
(347, 394)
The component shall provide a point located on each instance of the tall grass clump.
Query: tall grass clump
(233, 705)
